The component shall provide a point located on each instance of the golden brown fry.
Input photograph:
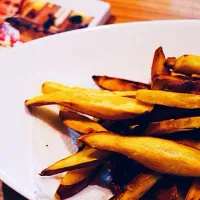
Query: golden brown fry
(174, 98)
(50, 87)
(105, 107)
(186, 64)
(173, 126)
(171, 99)
(160, 155)
(117, 84)
(84, 158)
(194, 191)
(79, 123)
(75, 181)
(158, 67)
(138, 186)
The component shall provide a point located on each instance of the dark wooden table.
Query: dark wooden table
(136, 10)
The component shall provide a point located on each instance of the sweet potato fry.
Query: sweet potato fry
(106, 107)
(50, 87)
(78, 122)
(84, 158)
(161, 80)
(194, 191)
(158, 67)
(173, 126)
(177, 84)
(75, 181)
(160, 155)
(185, 64)
(138, 186)
(191, 87)
(117, 84)
(171, 99)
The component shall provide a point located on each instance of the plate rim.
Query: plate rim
(5, 177)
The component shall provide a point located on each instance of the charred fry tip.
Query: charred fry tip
(47, 172)
(160, 48)
(51, 172)
(43, 173)
(28, 107)
(95, 77)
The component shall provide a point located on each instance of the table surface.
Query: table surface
(136, 10)
(143, 10)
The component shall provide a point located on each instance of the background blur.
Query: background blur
(39, 18)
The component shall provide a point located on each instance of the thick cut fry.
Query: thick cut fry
(75, 181)
(79, 123)
(191, 87)
(158, 67)
(117, 84)
(171, 99)
(50, 87)
(186, 64)
(138, 186)
(194, 191)
(161, 80)
(160, 155)
(84, 158)
(106, 107)
(173, 126)
(177, 84)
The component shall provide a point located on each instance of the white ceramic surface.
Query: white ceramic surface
(72, 58)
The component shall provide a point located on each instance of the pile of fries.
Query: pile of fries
(147, 133)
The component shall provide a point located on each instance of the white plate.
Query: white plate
(124, 50)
